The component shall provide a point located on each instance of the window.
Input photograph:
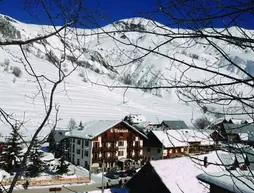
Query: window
(170, 151)
(120, 153)
(120, 143)
(82, 144)
(78, 142)
(78, 151)
(78, 163)
(182, 149)
(158, 150)
(121, 134)
(82, 156)
(148, 149)
(73, 148)
(176, 150)
(86, 153)
(86, 143)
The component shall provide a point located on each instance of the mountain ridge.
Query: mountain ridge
(101, 60)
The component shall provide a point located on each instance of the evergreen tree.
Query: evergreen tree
(35, 165)
(63, 167)
(12, 154)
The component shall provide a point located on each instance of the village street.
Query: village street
(67, 188)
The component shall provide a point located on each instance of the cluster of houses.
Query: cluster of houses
(133, 141)
(128, 142)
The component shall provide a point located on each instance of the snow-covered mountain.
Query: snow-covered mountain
(101, 59)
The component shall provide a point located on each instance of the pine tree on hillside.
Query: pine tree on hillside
(35, 165)
(63, 167)
(12, 154)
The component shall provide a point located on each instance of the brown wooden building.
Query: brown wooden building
(105, 140)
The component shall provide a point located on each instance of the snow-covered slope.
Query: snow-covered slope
(100, 60)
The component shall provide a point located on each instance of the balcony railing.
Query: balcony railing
(109, 139)
(138, 147)
(134, 147)
(111, 158)
(109, 149)
(96, 160)
(96, 149)
(130, 147)
(130, 138)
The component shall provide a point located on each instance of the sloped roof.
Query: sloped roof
(181, 138)
(236, 181)
(94, 128)
(170, 139)
(179, 174)
(178, 124)
(239, 128)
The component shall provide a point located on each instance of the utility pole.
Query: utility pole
(103, 178)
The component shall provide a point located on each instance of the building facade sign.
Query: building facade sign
(119, 130)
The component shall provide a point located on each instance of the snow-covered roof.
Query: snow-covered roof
(92, 129)
(181, 137)
(237, 181)
(179, 174)
(170, 139)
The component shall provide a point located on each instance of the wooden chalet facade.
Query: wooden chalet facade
(162, 144)
(155, 148)
(114, 141)
(235, 133)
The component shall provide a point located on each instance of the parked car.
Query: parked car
(112, 175)
(123, 174)
(131, 172)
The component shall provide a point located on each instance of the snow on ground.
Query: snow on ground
(84, 101)
(81, 101)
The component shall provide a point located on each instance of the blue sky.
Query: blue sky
(113, 10)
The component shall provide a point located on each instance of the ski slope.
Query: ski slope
(85, 100)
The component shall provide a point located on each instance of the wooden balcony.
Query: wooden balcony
(109, 149)
(130, 138)
(138, 147)
(96, 160)
(111, 158)
(132, 147)
(96, 149)
(109, 139)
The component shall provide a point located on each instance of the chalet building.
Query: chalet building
(107, 141)
(237, 133)
(173, 125)
(174, 143)
(159, 146)
(225, 182)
